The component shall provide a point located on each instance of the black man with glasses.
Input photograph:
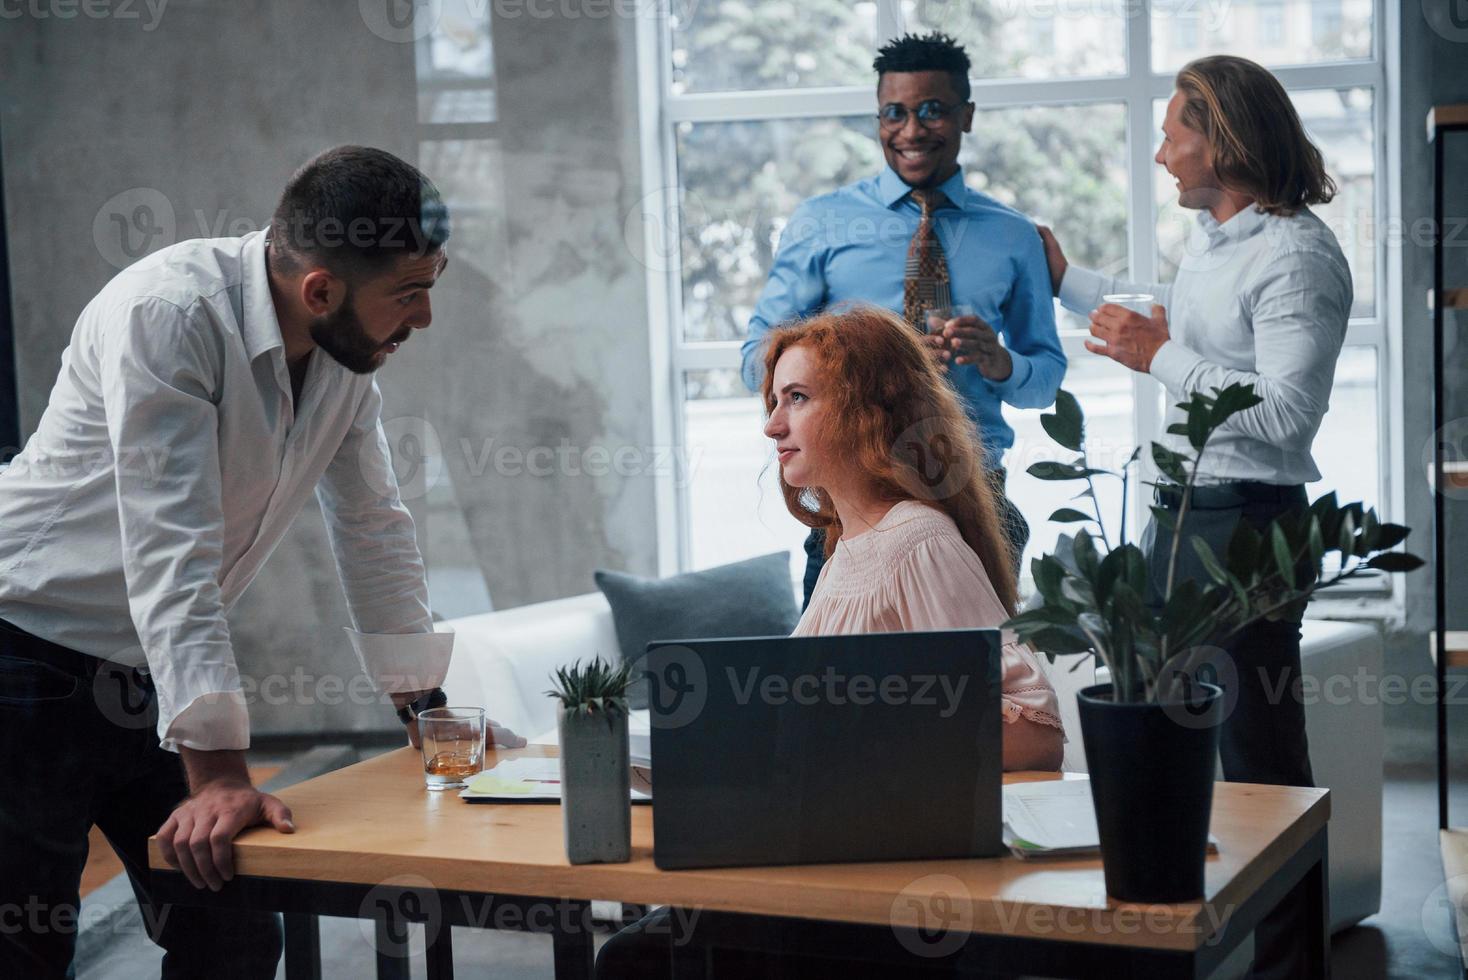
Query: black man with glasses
(916, 238)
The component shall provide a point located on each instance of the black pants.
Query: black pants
(78, 746)
(1016, 532)
(645, 951)
(1263, 734)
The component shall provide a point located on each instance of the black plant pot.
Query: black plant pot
(1152, 768)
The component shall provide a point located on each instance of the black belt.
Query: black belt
(29, 646)
(1225, 496)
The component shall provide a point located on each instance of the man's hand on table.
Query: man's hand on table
(502, 737)
(198, 837)
(495, 734)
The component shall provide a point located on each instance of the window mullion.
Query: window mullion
(890, 21)
(1141, 227)
(659, 171)
(853, 100)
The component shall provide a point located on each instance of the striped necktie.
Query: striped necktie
(926, 281)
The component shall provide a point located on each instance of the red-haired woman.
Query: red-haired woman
(875, 450)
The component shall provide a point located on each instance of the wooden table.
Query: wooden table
(373, 843)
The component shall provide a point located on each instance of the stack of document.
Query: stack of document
(1054, 818)
(528, 779)
(538, 779)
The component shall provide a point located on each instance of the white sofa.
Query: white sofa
(503, 660)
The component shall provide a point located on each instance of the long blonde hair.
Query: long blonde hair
(894, 416)
(1259, 144)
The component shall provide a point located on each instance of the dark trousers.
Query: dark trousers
(645, 951)
(1262, 739)
(78, 747)
(1016, 533)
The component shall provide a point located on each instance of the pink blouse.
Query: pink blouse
(913, 571)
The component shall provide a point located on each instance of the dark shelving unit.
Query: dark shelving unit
(1447, 124)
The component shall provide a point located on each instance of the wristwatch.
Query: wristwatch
(433, 699)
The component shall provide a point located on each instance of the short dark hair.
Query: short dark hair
(355, 210)
(928, 52)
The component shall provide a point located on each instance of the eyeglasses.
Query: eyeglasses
(893, 115)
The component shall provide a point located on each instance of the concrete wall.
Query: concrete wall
(540, 329)
(538, 358)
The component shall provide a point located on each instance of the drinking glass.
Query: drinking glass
(934, 317)
(1136, 302)
(453, 745)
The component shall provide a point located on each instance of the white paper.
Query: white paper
(526, 778)
(1054, 814)
(639, 737)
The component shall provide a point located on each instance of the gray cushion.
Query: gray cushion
(748, 598)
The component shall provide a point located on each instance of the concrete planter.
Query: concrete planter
(596, 804)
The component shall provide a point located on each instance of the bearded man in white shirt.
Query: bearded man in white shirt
(207, 392)
(1262, 296)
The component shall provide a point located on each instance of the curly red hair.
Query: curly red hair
(893, 414)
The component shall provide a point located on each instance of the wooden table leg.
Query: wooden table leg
(302, 946)
(575, 957)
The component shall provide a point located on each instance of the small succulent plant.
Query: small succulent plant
(596, 688)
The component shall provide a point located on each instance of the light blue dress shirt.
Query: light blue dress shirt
(851, 246)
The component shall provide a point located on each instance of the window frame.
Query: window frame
(1137, 90)
(428, 132)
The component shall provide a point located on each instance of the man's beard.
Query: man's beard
(342, 336)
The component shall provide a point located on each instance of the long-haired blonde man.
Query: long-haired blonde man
(1262, 296)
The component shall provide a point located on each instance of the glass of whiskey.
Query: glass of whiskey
(453, 745)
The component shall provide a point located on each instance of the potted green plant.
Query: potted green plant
(1151, 734)
(596, 808)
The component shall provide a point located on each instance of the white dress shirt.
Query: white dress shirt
(169, 463)
(1258, 299)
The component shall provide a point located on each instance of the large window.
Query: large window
(766, 102)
